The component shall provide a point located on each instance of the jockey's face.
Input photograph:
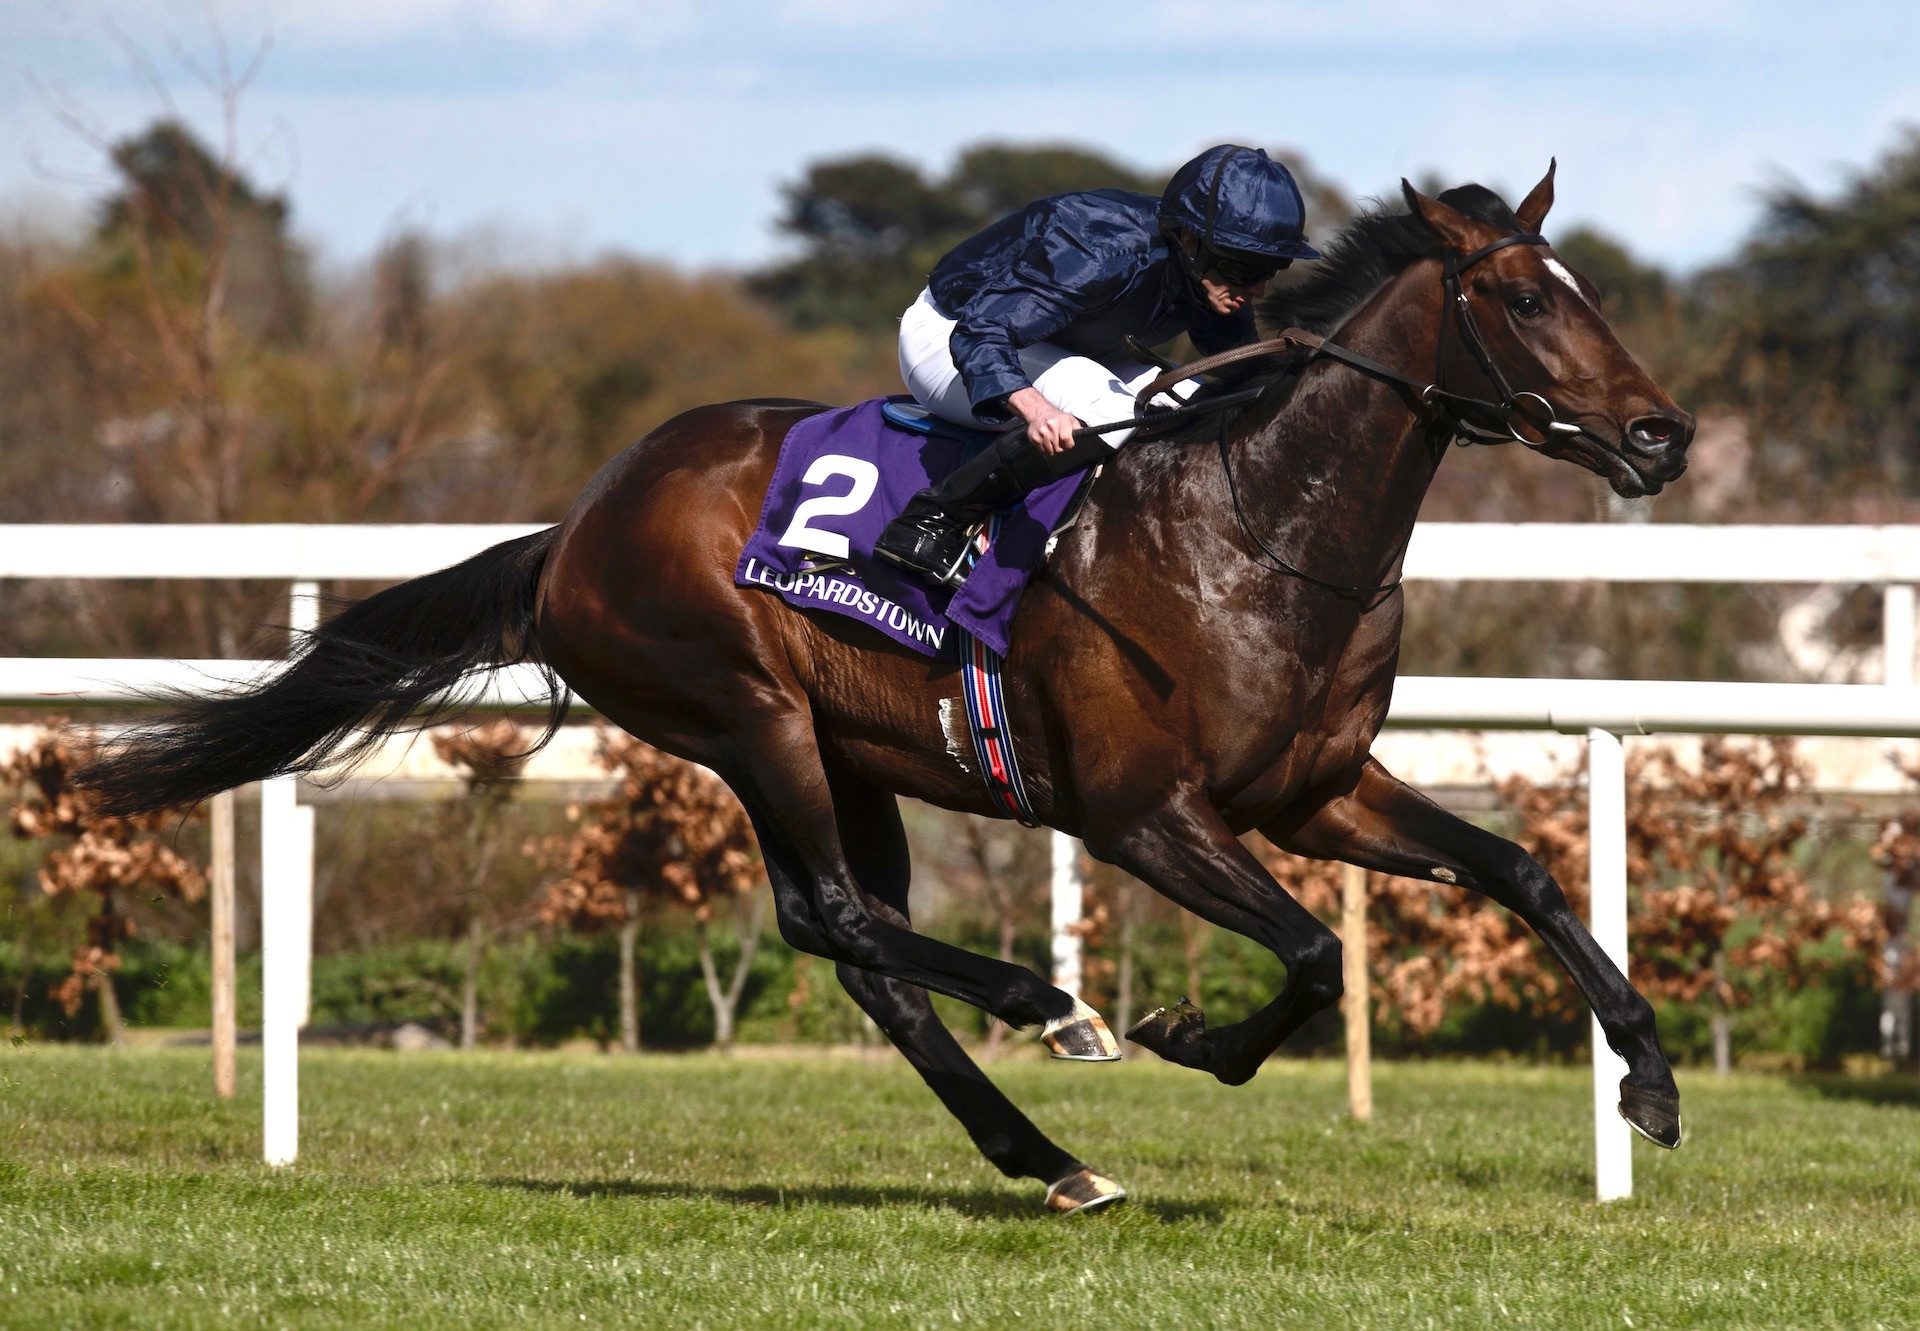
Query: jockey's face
(1243, 281)
(1224, 297)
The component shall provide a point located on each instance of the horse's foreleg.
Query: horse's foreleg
(1386, 825)
(876, 846)
(1188, 854)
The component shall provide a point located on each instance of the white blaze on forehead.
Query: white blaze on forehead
(1565, 274)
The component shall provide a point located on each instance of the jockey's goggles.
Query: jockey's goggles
(1243, 270)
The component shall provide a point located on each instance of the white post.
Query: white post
(305, 618)
(1896, 633)
(300, 881)
(1067, 910)
(1607, 874)
(280, 935)
(286, 932)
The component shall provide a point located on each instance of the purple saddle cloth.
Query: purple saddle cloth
(841, 477)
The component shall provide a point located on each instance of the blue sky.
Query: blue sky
(565, 127)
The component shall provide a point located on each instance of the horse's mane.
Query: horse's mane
(1381, 242)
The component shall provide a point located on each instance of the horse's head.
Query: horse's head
(1549, 354)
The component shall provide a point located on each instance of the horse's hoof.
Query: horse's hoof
(1165, 1029)
(1653, 1114)
(1083, 1191)
(1081, 1037)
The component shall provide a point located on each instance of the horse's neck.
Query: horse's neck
(1334, 479)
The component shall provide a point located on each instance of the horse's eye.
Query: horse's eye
(1527, 307)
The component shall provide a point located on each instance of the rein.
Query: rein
(1437, 403)
(1440, 407)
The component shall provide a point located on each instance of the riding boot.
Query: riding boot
(931, 535)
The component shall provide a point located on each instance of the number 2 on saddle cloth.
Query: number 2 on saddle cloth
(840, 478)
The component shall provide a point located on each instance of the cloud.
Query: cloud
(328, 24)
(539, 22)
(1418, 26)
(668, 127)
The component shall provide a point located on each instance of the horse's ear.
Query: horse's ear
(1460, 232)
(1533, 209)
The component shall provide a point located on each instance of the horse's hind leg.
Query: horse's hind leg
(822, 907)
(876, 846)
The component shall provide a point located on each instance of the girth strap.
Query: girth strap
(986, 702)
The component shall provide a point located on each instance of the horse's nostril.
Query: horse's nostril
(1653, 431)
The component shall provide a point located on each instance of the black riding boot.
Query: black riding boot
(931, 535)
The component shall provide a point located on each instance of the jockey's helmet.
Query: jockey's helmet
(1240, 202)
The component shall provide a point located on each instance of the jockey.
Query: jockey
(1028, 321)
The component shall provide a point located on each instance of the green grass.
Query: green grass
(556, 1189)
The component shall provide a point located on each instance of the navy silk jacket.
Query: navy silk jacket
(1082, 271)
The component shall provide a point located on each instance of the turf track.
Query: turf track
(552, 1189)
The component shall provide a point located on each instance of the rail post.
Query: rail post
(1068, 905)
(1353, 1000)
(225, 1036)
(1607, 874)
(1897, 632)
(286, 933)
(304, 618)
(279, 977)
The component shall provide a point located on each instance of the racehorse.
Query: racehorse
(1209, 652)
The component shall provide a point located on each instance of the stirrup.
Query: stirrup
(922, 556)
(952, 576)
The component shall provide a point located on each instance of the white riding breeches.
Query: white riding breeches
(1094, 392)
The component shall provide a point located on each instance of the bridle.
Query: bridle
(1449, 415)
(1509, 405)
(1445, 410)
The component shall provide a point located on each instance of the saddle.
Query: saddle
(903, 413)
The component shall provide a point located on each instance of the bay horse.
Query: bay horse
(1209, 652)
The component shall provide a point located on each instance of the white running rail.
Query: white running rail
(1602, 710)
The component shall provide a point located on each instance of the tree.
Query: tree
(107, 858)
(671, 836)
(490, 758)
(870, 227)
(990, 180)
(1897, 852)
(180, 207)
(1821, 310)
(403, 294)
(866, 225)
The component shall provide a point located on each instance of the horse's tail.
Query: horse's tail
(391, 662)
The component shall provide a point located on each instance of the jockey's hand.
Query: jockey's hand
(1050, 428)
